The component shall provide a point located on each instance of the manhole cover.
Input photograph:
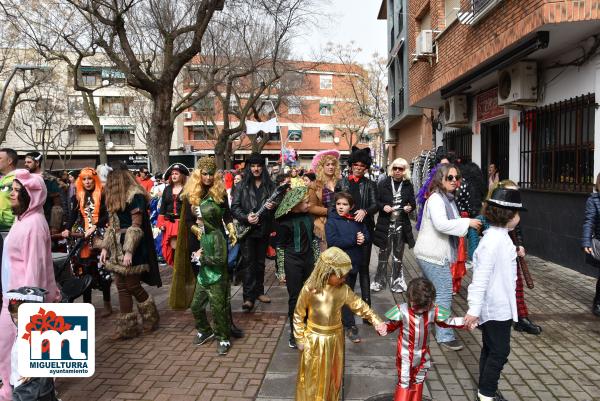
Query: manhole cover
(381, 397)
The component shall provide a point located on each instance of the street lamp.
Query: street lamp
(18, 67)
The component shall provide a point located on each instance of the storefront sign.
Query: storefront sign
(487, 105)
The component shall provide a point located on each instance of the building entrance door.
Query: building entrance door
(494, 146)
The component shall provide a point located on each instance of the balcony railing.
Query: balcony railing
(400, 101)
(477, 10)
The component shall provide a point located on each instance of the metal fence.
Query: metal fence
(557, 146)
(459, 141)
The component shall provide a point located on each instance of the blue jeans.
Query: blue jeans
(441, 277)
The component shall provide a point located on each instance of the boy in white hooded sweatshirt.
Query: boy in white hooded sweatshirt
(492, 300)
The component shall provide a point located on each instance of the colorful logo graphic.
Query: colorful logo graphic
(56, 340)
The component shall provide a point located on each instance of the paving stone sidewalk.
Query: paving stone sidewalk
(563, 363)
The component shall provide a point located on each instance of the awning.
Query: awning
(118, 127)
(73, 164)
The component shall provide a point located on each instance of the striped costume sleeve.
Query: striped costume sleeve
(443, 319)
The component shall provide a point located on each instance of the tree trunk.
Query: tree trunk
(158, 141)
(90, 109)
(221, 154)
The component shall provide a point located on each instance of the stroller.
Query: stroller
(71, 287)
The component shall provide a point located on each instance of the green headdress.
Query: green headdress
(291, 199)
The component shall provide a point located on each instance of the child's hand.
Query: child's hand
(381, 329)
(360, 238)
(471, 322)
(521, 252)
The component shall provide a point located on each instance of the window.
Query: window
(295, 135)
(233, 103)
(294, 106)
(275, 136)
(325, 109)
(90, 80)
(120, 136)
(115, 106)
(42, 135)
(205, 105)
(451, 9)
(113, 76)
(326, 81)
(202, 133)
(75, 104)
(85, 135)
(43, 105)
(325, 135)
(425, 21)
(557, 146)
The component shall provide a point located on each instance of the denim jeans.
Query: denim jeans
(441, 277)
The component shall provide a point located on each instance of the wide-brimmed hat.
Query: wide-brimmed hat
(507, 198)
(291, 199)
(176, 166)
(321, 154)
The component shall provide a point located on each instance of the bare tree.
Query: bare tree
(366, 103)
(244, 62)
(44, 124)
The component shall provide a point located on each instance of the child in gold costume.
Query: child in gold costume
(321, 338)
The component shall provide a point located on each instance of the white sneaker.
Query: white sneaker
(375, 286)
(399, 285)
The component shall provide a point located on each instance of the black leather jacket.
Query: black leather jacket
(245, 201)
(591, 221)
(367, 201)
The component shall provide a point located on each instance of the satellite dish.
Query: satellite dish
(110, 145)
(105, 82)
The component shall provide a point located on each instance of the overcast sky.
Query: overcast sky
(347, 20)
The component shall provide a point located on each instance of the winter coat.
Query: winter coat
(341, 232)
(385, 196)
(367, 201)
(591, 225)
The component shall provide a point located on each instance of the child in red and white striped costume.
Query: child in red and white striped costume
(414, 321)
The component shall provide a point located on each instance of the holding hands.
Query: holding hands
(471, 322)
(381, 329)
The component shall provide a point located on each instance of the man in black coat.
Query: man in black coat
(250, 194)
(364, 193)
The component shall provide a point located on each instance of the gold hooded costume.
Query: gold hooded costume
(322, 360)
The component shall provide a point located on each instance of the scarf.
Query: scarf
(448, 199)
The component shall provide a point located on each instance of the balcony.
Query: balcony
(400, 101)
(477, 11)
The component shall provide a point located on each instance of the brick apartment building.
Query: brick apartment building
(409, 128)
(516, 83)
(316, 116)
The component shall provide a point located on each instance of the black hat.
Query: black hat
(360, 156)
(176, 166)
(506, 198)
(255, 158)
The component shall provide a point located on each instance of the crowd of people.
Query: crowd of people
(319, 225)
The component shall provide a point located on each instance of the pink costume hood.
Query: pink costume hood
(35, 187)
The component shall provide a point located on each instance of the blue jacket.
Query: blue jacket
(341, 232)
(591, 220)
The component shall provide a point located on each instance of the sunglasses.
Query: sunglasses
(395, 168)
(451, 177)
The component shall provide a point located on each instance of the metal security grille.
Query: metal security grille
(459, 141)
(557, 146)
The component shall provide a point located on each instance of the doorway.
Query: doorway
(495, 147)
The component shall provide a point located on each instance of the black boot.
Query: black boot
(526, 325)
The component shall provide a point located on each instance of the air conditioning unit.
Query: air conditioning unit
(424, 42)
(456, 111)
(518, 84)
(187, 115)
